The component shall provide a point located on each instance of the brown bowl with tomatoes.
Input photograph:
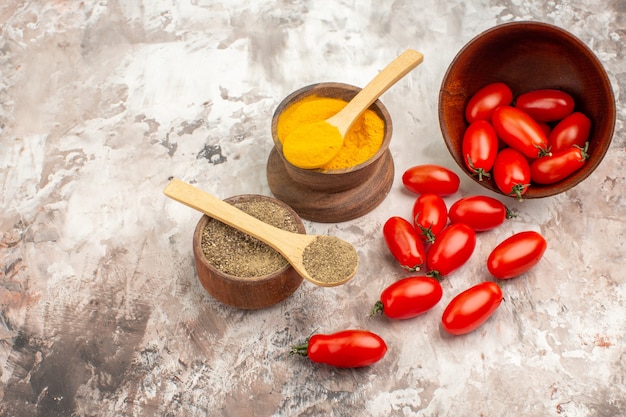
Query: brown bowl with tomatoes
(526, 109)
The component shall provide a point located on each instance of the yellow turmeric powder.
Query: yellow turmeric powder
(312, 145)
(362, 141)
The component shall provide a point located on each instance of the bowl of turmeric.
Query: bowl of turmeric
(356, 180)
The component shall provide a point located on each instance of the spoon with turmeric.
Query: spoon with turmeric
(313, 145)
(326, 261)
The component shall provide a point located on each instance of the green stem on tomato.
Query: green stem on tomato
(427, 232)
(543, 151)
(378, 308)
(510, 214)
(301, 349)
(477, 171)
(414, 268)
(435, 274)
(583, 152)
(517, 191)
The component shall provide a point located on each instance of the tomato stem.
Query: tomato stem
(543, 151)
(583, 152)
(510, 214)
(378, 308)
(477, 171)
(427, 232)
(301, 349)
(482, 173)
(517, 191)
(414, 268)
(435, 274)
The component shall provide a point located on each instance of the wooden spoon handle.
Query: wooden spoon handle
(218, 209)
(290, 245)
(391, 74)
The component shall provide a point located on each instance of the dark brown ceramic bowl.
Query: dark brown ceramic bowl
(248, 293)
(529, 56)
(331, 196)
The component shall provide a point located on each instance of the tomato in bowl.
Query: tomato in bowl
(526, 57)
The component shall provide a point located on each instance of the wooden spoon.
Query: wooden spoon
(301, 151)
(326, 261)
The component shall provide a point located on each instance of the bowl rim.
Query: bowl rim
(538, 191)
(309, 90)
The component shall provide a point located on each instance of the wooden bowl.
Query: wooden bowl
(248, 293)
(528, 56)
(335, 195)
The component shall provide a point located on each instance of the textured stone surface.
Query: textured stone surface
(100, 309)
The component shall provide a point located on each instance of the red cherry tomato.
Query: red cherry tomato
(430, 216)
(345, 349)
(452, 248)
(479, 212)
(480, 147)
(409, 297)
(558, 166)
(546, 129)
(516, 254)
(482, 104)
(518, 130)
(431, 178)
(546, 105)
(511, 172)
(470, 309)
(404, 243)
(573, 130)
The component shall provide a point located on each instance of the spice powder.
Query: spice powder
(237, 253)
(362, 141)
(329, 259)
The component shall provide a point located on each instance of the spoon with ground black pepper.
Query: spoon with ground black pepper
(326, 261)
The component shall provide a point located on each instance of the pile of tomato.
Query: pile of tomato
(435, 243)
(538, 138)
(441, 241)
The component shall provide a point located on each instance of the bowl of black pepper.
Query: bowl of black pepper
(238, 269)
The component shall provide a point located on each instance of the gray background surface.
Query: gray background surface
(100, 309)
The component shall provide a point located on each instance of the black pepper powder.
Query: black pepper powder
(236, 253)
